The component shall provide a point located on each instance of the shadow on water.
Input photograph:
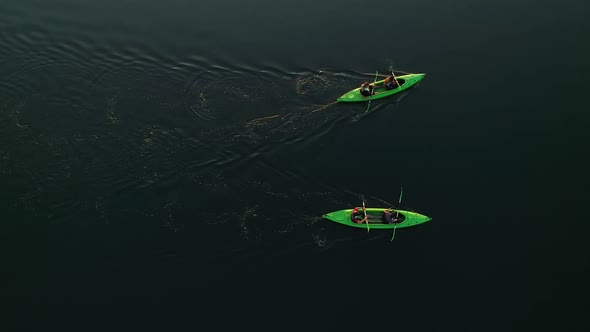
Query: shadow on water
(183, 145)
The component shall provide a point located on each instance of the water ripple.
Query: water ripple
(105, 120)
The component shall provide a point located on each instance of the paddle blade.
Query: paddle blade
(399, 203)
(368, 105)
(392, 236)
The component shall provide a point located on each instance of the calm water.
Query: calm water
(165, 165)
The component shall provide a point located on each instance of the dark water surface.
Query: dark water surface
(165, 164)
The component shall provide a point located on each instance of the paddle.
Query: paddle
(395, 78)
(365, 211)
(369, 105)
(393, 74)
(399, 202)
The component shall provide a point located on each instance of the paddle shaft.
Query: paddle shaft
(365, 211)
(395, 78)
(369, 104)
(399, 202)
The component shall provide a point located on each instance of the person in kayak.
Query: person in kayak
(367, 89)
(358, 216)
(390, 83)
(389, 217)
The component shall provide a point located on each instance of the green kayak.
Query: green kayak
(405, 82)
(375, 218)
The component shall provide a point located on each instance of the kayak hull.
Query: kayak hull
(405, 81)
(407, 218)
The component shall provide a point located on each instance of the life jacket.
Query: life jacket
(387, 217)
(390, 83)
(366, 89)
(355, 215)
